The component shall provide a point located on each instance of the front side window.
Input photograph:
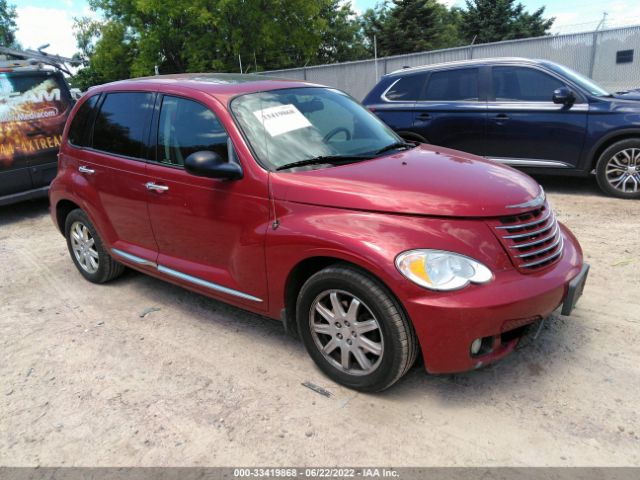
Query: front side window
(453, 85)
(121, 123)
(186, 127)
(407, 88)
(298, 124)
(521, 84)
(79, 128)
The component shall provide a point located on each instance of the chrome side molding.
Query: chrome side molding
(206, 284)
(133, 258)
(530, 162)
(183, 276)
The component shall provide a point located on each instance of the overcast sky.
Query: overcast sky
(51, 21)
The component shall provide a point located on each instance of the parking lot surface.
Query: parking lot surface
(143, 373)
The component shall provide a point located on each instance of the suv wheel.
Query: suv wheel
(618, 169)
(354, 330)
(87, 251)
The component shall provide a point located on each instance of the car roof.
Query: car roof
(464, 63)
(216, 84)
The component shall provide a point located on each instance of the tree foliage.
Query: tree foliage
(135, 37)
(495, 20)
(7, 24)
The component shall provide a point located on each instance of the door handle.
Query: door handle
(502, 116)
(156, 188)
(87, 170)
(423, 116)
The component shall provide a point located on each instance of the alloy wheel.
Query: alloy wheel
(623, 170)
(84, 247)
(346, 332)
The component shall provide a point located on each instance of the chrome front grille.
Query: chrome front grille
(532, 239)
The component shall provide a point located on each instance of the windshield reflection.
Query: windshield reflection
(291, 125)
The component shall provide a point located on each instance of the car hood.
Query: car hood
(628, 95)
(425, 180)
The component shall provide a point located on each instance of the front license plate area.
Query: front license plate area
(576, 287)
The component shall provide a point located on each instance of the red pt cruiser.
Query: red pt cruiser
(291, 200)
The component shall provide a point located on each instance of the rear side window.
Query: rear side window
(523, 84)
(186, 127)
(79, 128)
(453, 85)
(121, 123)
(407, 88)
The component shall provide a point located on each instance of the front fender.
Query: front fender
(369, 240)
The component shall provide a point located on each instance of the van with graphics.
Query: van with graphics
(34, 105)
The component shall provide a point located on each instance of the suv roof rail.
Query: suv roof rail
(29, 59)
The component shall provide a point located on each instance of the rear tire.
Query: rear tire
(87, 250)
(618, 169)
(354, 329)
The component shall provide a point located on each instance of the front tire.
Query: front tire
(87, 250)
(618, 169)
(354, 329)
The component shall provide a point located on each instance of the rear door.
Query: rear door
(112, 174)
(397, 102)
(452, 110)
(34, 106)
(525, 128)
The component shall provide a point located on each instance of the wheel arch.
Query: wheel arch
(307, 267)
(63, 208)
(412, 136)
(607, 141)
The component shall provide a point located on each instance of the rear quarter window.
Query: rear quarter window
(407, 88)
(80, 127)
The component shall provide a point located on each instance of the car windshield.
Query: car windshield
(298, 125)
(589, 85)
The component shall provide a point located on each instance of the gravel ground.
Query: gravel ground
(86, 380)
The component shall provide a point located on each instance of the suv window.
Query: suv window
(407, 88)
(120, 124)
(453, 85)
(523, 84)
(79, 128)
(186, 127)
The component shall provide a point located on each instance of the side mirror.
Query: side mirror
(209, 164)
(563, 96)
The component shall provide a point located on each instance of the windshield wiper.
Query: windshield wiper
(330, 159)
(394, 146)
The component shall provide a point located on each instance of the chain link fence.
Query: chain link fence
(595, 54)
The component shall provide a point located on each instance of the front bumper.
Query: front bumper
(447, 324)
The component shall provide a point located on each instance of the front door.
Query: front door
(210, 232)
(525, 128)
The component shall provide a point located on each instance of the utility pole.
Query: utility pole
(375, 55)
(602, 22)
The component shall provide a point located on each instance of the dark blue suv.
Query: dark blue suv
(531, 114)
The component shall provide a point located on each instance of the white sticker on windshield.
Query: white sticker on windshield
(282, 119)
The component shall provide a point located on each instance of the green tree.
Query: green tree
(342, 38)
(406, 26)
(7, 24)
(496, 20)
(372, 25)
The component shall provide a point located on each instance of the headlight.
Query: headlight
(440, 270)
